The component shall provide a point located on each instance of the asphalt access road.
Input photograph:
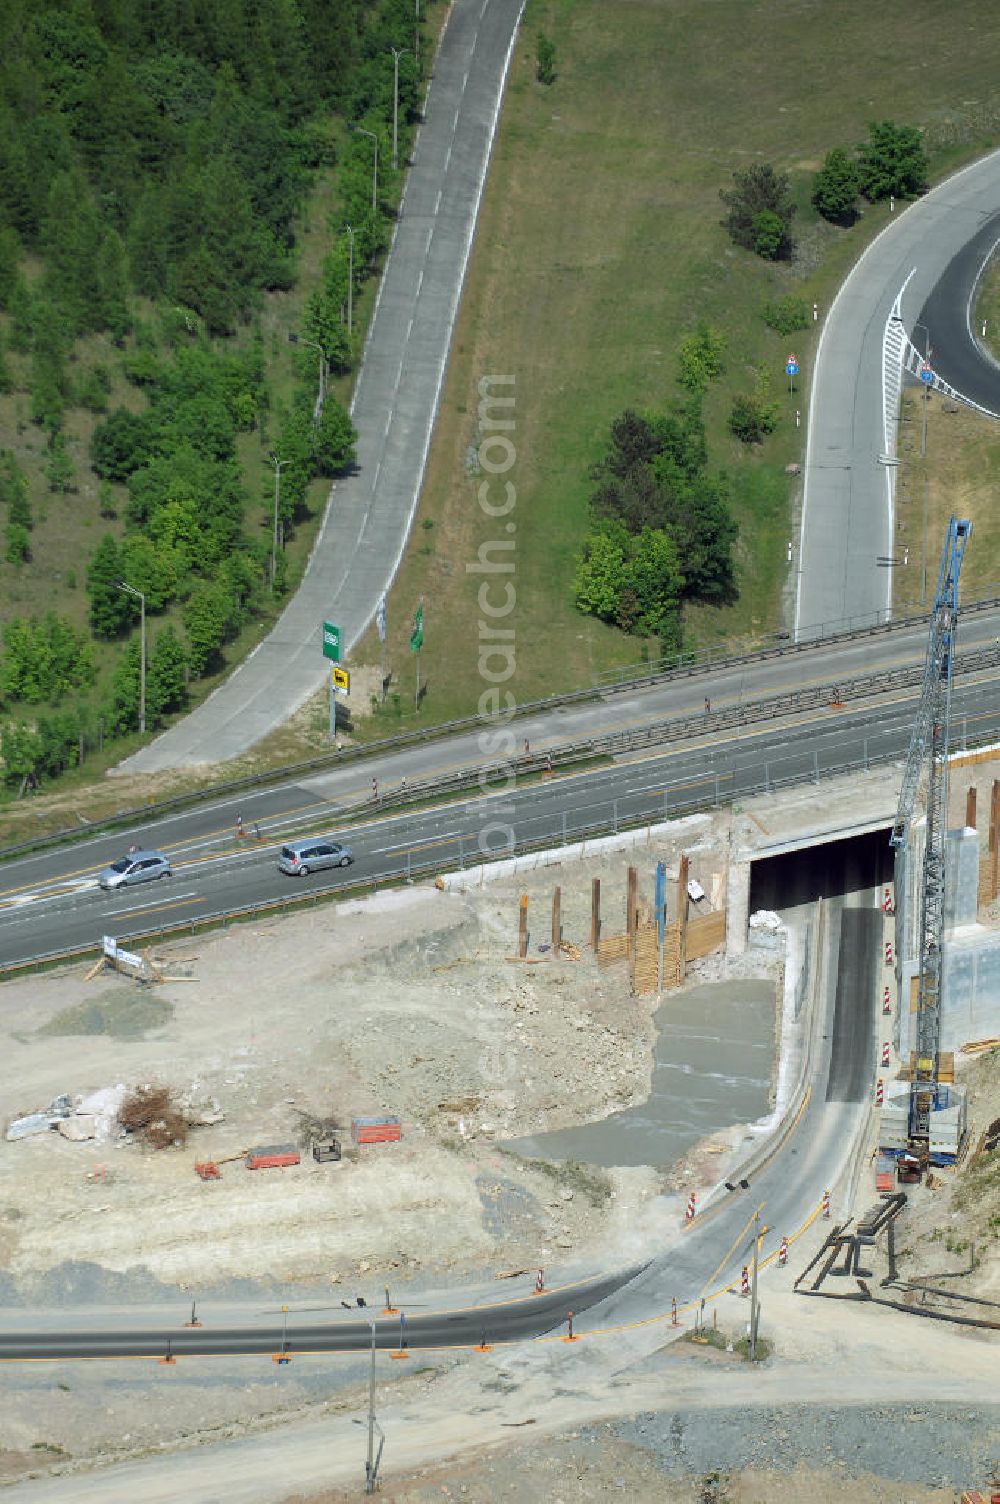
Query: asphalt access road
(846, 513)
(509, 1321)
(946, 322)
(369, 512)
(67, 909)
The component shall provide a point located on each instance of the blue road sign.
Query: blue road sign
(926, 374)
(792, 366)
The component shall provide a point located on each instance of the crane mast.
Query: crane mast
(928, 757)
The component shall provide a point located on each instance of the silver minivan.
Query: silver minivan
(135, 867)
(299, 858)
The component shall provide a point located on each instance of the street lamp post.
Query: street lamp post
(396, 55)
(121, 585)
(278, 467)
(350, 281)
(296, 339)
(754, 1308)
(416, 48)
(361, 131)
(372, 1461)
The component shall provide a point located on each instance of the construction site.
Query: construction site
(511, 1075)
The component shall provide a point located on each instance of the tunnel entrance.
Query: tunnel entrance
(833, 869)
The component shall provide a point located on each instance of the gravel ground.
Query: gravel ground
(943, 1446)
(727, 1456)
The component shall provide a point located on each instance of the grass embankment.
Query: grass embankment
(599, 246)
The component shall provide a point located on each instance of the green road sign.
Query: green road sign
(331, 642)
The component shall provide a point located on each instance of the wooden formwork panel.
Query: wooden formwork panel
(984, 893)
(704, 933)
(645, 968)
(612, 948)
(673, 958)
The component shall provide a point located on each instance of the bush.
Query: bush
(545, 59)
(752, 419)
(786, 315)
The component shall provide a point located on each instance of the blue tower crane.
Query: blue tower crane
(928, 757)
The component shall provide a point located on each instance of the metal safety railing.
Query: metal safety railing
(644, 676)
(628, 812)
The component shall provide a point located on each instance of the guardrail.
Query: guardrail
(645, 677)
(684, 798)
(611, 743)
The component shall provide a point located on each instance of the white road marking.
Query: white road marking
(165, 897)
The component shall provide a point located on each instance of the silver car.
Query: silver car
(299, 858)
(135, 867)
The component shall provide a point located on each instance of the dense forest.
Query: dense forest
(157, 158)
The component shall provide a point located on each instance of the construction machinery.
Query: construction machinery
(928, 760)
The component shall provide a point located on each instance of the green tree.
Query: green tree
(120, 444)
(111, 609)
(601, 572)
(149, 568)
(836, 187)
(17, 545)
(21, 750)
(758, 189)
(545, 59)
(334, 439)
(700, 357)
(654, 584)
(211, 616)
(892, 162)
(59, 470)
(768, 234)
(123, 703)
(166, 679)
(14, 492)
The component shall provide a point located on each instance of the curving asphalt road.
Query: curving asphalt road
(368, 515)
(847, 521)
(957, 356)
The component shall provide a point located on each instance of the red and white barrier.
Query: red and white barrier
(689, 1213)
(888, 953)
(879, 1092)
(885, 1053)
(745, 1281)
(887, 904)
(783, 1253)
(886, 1004)
(826, 1203)
(540, 1282)
(673, 1310)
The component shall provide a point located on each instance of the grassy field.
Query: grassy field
(599, 246)
(958, 476)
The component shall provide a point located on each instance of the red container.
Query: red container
(381, 1130)
(273, 1157)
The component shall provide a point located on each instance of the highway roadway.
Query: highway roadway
(50, 902)
(369, 512)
